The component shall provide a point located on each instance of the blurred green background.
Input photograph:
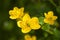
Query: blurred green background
(8, 27)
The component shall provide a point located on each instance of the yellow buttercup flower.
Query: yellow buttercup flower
(27, 23)
(28, 37)
(16, 13)
(24, 24)
(50, 18)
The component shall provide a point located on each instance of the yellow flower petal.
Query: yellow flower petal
(34, 38)
(12, 17)
(51, 22)
(35, 26)
(45, 14)
(50, 13)
(34, 23)
(28, 37)
(26, 17)
(15, 8)
(46, 20)
(21, 24)
(10, 12)
(54, 17)
(21, 11)
(26, 30)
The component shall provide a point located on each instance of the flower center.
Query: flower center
(28, 24)
(50, 18)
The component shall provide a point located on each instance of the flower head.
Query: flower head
(50, 18)
(24, 24)
(16, 13)
(28, 37)
(27, 23)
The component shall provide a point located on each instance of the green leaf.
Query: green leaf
(47, 28)
(41, 20)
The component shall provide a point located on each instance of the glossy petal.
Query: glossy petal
(46, 20)
(34, 38)
(16, 13)
(51, 22)
(50, 13)
(10, 12)
(45, 14)
(21, 11)
(12, 17)
(54, 17)
(26, 30)
(26, 17)
(21, 24)
(15, 8)
(28, 37)
(34, 23)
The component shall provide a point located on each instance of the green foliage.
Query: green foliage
(41, 20)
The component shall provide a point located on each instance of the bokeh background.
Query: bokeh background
(9, 29)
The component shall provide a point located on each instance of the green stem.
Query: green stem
(51, 1)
